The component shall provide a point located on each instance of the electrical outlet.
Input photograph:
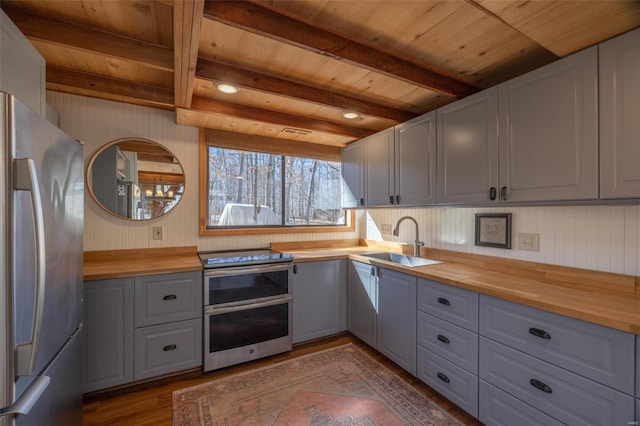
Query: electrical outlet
(385, 228)
(158, 233)
(528, 242)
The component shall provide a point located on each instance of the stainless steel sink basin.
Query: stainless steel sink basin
(403, 259)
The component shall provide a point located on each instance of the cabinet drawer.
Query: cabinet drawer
(166, 298)
(451, 342)
(638, 369)
(563, 395)
(596, 352)
(455, 383)
(167, 348)
(456, 305)
(497, 408)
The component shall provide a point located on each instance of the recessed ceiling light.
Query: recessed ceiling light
(350, 115)
(227, 88)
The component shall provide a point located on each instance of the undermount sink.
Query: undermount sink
(403, 259)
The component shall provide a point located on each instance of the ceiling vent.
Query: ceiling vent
(292, 131)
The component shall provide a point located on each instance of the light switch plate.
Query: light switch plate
(158, 233)
(528, 242)
(385, 229)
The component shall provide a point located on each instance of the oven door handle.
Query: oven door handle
(227, 272)
(212, 310)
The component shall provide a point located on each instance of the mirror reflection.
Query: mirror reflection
(135, 178)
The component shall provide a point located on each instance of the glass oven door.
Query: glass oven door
(242, 285)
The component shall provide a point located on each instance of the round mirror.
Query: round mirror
(135, 179)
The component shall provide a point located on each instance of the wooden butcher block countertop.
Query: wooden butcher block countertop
(608, 299)
(107, 264)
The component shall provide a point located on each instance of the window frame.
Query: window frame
(204, 231)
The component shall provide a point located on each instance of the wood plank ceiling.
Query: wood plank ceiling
(300, 63)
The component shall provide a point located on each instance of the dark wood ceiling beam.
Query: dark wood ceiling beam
(187, 21)
(220, 72)
(86, 39)
(267, 23)
(100, 84)
(288, 120)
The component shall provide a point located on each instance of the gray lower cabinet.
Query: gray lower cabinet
(108, 327)
(447, 342)
(319, 292)
(638, 368)
(619, 85)
(382, 311)
(362, 298)
(141, 327)
(559, 393)
(498, 408)
(396, 328)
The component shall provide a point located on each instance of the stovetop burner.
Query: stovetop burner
(223, 259)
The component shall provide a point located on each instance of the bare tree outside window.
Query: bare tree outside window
(258, 189)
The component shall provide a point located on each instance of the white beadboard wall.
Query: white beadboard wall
(603, 238)
(96, 122)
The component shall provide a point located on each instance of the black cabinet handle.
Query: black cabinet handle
(493, 193)
(503, 193)
(539, 333)
(170, 348)
(540, 385)
(443, 377)
(295, 269)
(362, 201)
(397, 199)
(373, 271)
(443, 339)
(391, 199)
(170, 297)
(443, 301)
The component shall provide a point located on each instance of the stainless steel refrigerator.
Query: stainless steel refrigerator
(41, 225)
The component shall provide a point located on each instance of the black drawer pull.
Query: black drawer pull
(170, 297)
(539, 333)
(170, 348)
(443, 301)
(503, 193)
(492, 193)
(295, 269)
(443, 377)
(443, 339)
(540, 385)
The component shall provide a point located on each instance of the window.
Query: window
(246, 189)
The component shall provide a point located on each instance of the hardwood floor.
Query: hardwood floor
(150, 403)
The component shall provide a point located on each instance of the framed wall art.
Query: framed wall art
(493, 230)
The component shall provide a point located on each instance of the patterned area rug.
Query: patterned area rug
(338, 386)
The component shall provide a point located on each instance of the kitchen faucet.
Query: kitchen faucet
(417, 243)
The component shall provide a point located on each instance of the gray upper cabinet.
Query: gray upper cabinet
(548, 132)
(468, 149)
(22, 68)
(415, 161)
(619, 117)
(319, 299)
(353, 175)
(379, 168)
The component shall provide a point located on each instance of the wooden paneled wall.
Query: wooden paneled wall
(603, 238)
(96, 122)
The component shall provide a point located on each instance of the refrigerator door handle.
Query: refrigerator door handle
(28, 399)
(26, 179)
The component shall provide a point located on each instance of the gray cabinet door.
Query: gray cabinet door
(467, 135)
(319, 299)
(379, 172)
(362, 297)
(619, 113)
(108, 324)
(548, 131)
(415, 161)
(353, 175)
(397, 320)
(638, 368)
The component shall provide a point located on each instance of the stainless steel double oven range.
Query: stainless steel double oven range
(247, 306)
